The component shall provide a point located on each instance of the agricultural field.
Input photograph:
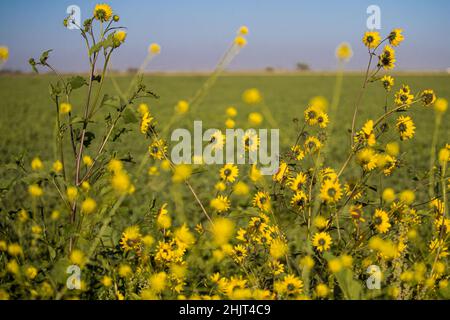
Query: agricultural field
(95, 205)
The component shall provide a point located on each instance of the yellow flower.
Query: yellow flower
(331, 191)
(4, 53)
(252, 96)
(388, 195)
(229, 123)
(428, 97)
(241, 189)
(322, 290)
(392, 149)
(72, 193)
(381, 221)
(312, 144)
(158, 281)
(130, 238)
(87, 161)
(344, 51)
(65, 108)
(403, 97)
(36, 164)
(220, 203)
(77, 257)
(440, 105)
(444, 156)
(125, 271)
(261, 200)
(299, 182)
(106, 281)
(322, 241)
(57, 166)
(255, 173)
(371, 39)
(103, 12)
(405, 127)
(297, 152)
(15, 249)
(115, 165)
(407, 196)
(146, 120)
(320, 222)
(334, 265)
(157, 149)
(396, 37)
(283, 171)
(307, 262)
(184, 235)
(290, 286)
(319, 103)
(119, 36)
(182, 107)
(243, 30)
(55, 215)
(388, 82)
(239, 253)
(163, 219)
(36, 229)
(367, 159)
(346, 260)
(13, 267)
(240, 41)
(299, 200)
(222, 230)
(35, 191)
(181, 173)
(255, 118)
(386, 60)
(154, 49)
(121, 182)
(231, 112)
(311, 113)
(322, 120)
(278, 248)
(31, 272)
(229, 173)
(88, 206)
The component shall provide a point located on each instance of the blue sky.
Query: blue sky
(194, 34)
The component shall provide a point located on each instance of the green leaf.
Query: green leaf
(129, 116)
(77, 82)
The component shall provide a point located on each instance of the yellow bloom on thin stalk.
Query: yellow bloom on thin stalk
(255, 118)
(240, 41)
(252, 96)
(154, 49)
(396, 37)
(65, 108)
(103, 12)
(88, 206)
(57, 166)
(388, 82)
(182, 107)
(4, 54)
(405, 127)
(344, 51)
(35, 191)
(220, 203)
(371, 39)
(322, 241)
(440, 105)
(36, 164)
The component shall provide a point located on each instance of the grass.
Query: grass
(27, 122)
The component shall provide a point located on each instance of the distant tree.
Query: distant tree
(301, 66)
(270, 69)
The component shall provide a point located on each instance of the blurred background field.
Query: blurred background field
(27, 122)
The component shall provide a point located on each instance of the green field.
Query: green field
(27, 122)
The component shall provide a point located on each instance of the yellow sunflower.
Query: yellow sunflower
(331, 191)
(145, 122)
(405, 127)
(356, 212)
(381, 221)
(103, 12)
(371, 39)
(322, 241)
(311, 114)
(220, 203)
(386, 60)
(403, 97)
(396, 37)
(131, 238)
(157, 149)
(366, 134)
(428, 97)
(322, 120)
(298, 182)
(290, 286)
(388, 82)
(261, 200)
(229, 173)
(312, 144)
(367, 159)
(250, 140)
(351, 190)
(239, 253)
(217, 140)
(297, 152)
(299, 200)
(283, 171)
